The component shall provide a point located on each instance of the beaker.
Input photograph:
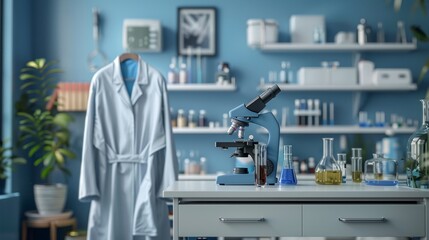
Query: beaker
(357, 165)
(341, 160)
(260, 165)
(328, 172)
(288, 175)
(381, 171)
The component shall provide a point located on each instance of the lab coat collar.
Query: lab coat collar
(142, 79)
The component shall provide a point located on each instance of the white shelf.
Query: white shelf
(345, 129)
(199, 130)
(298, 87)
(201, 87)
(308, 47)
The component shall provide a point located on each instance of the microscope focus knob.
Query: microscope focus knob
(251, 137)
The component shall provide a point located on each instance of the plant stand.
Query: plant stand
(52, 225)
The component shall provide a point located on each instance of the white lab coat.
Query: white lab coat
(128, 156)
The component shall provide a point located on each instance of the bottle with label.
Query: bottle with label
(172, 72)
(202, 120)
(181, 119)
(311, 165)
(328, 172)
(284, 72)
(183, 74)
(191, 119)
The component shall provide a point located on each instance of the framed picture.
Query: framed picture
(196, 31)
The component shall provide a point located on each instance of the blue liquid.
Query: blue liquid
(288, 176)
(382, 183)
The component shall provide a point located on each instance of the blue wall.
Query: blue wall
(63, 30)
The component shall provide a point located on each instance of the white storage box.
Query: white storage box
(343, 76)
(254, 35)
(388, 76)
(302, 28)
(313, 76)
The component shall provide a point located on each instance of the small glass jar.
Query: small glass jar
(381, 171)
(192, 123)
(181, 119)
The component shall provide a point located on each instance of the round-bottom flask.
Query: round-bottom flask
(328, 172)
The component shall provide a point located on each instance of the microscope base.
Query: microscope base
(241, 179)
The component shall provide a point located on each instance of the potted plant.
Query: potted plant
(44, 133)
(7, 159)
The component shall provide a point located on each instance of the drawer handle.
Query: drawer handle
(241, 220)
(363, 220)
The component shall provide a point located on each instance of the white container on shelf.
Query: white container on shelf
(255, 36)
(302, 28)
(313, 76)
(365, 68)
(344, 76)
(388, 76)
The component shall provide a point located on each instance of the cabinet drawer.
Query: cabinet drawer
(238, 220)
(365, 220)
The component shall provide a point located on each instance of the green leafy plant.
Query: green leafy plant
(418, 33)
(44, 132)
(7, 159)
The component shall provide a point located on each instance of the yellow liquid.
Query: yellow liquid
(378, 176)
(357, 177)
(328, 177)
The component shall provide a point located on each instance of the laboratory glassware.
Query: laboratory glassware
(417, 163)
(191, 119)
(380, 33)
(357, 165)
(401, 37)
(341, 159)
(202, 119)
(172, 72)
(288, 175)
(173, 117)
(381, 171)
(363, 119)
(260, 164)
(93, 67)
(181, 119)
(328, 172)
(284, 72)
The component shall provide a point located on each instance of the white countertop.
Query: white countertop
(304, 190)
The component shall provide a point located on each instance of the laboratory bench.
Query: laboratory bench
(205, 209)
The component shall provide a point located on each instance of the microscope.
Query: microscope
(241, 116)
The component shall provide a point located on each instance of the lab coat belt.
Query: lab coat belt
(128, 158)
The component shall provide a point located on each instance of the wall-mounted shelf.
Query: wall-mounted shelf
(201, 87)
(199, 130)
(298, 87)
(302, 47)
(345, 129)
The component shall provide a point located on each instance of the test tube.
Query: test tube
(317, 108)
(298, 119)
(363, 119)
(303, 106)
(341, 158)
(310, 108)
(357, 165)
(325, 114)
(331, 113)
(285, 112)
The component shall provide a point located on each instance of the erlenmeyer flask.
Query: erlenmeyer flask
(328, 172)
(417, 164)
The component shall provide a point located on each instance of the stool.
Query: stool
(52, 225)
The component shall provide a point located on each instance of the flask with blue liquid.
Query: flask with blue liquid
(288, 175)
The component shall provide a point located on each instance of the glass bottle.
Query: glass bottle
(381, 171)
(202, 120)
(288, 175)
(191, 119)
(417, 163)
(181, 119)
(328, 172)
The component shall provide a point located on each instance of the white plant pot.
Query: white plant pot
(50, 199)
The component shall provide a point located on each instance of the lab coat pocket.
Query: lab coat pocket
(144, 214)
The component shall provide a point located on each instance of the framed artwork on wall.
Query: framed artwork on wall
(196, 31)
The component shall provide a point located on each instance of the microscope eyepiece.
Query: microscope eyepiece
(270, 93)
(257, 104)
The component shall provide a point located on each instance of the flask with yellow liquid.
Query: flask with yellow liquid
(328, 172)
